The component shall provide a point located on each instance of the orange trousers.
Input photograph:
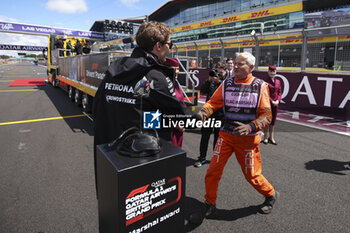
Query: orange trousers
(248, 156)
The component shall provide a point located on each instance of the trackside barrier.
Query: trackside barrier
(314, 93)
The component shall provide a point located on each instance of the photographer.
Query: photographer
(209, 87)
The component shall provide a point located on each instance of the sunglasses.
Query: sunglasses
(169, 43)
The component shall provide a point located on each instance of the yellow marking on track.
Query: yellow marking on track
(19, 90)
(19, 75)
(42, 119)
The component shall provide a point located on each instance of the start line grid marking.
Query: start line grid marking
(19, 90)
(43, 119)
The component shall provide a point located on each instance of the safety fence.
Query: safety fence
(315, 49)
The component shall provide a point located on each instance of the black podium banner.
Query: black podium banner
(141, 194)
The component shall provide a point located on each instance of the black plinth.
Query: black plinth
(141, 194)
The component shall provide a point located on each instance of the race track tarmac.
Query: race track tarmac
(47, 172)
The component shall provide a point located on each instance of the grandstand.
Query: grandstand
(292, 34)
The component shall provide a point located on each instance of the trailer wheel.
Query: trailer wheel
(71, 93)
(86, 103)
(77, 97)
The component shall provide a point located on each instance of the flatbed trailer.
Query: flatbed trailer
(80, 75)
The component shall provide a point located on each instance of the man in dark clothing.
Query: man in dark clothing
(86, 47)
(59, 45)
(114, 115)
(78, 48)
(68, 48)
(115, 106)
(208, 88)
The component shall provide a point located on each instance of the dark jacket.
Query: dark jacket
(78, 48)
(208, 88)
(115, 107)
(59, 44)
(69, 45)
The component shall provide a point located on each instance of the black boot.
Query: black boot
(267, 206)
(209, 211)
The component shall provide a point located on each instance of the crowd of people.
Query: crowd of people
(71, 46)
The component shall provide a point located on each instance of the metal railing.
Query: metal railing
(325, 48)
(187, 78)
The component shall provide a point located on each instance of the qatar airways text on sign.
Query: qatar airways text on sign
(326, 93)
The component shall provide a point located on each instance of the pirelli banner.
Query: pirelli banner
(89, 69)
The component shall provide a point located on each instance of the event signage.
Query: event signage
(43, 30)
(246, 16)
(21, 47)
(326, 94)
(151, 198)
(86, 69)
(323, 93)
(143, 194)
(328, 18)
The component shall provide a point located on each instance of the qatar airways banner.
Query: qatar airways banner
(21, 47)
(316, 93)
(326, 94)
(33, 29)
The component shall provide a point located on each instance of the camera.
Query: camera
(213, 73)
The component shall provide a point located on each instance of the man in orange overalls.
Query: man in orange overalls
(246, 104)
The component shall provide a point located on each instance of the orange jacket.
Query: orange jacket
(264, 108)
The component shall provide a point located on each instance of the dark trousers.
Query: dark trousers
(206, 132)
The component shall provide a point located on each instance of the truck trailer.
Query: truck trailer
(80, 75)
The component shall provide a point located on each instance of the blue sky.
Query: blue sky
(71, 14)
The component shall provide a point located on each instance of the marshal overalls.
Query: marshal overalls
(246, 101)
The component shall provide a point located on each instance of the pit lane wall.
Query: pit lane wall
(313, 93)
